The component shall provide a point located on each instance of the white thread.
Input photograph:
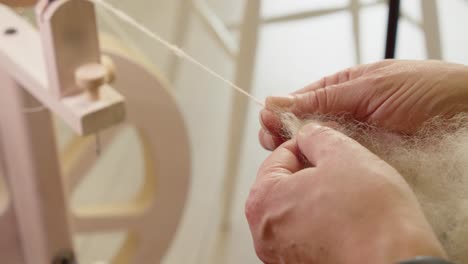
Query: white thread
(173, 48)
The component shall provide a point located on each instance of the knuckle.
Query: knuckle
(384, 63)
(345, 75)
(323, 81)
(264, 252)
(255, 205)
(376, 79)
(317, 100)
(314, 101)
(265, 233)
(379, 65)
(322, 132)
(331, 141)
(331, 79)
(354, 72)
(260, 224)
(251, 210)
(335, 140)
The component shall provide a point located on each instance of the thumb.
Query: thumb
(334, 99)
(320, 144)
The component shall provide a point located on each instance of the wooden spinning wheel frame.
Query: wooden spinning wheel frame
(33, 217)
(153, 216)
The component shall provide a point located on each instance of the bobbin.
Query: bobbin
(90, 77)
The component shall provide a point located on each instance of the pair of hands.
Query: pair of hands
(349, 206)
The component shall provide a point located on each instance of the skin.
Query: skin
(347, 205)
(393, 94)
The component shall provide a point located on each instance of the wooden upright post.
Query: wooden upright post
(245, 66)
(239, 107)
(69, 40)
(34, 176)
(431, 28)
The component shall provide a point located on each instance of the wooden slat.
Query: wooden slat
(34, 175)
(20, 56)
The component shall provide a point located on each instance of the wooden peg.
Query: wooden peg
(90, 77)
(20, 58)
(110, 67)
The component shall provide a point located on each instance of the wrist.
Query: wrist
(410, 238)
(393, 241)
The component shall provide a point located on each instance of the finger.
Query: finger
(270, 135)
(347, 97)
(284, 161)
(269, 141)
(334, 79)
(320, 144)
(271, 122)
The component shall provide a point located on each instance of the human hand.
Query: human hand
(392, 94)
(348, 207)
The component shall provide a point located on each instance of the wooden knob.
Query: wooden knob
(110, 67)
(90, 77)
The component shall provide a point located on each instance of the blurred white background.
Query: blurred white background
(290, 56)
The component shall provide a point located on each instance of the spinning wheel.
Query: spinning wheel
(33, 213)
(152, 217)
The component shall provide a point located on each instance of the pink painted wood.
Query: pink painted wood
(70, 40)
(153, 217)
(9, 240)
(33, 175)
(20, 56)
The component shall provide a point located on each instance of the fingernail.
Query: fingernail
(268, 141)
(273, 102)
(261, 117)
(268, 116)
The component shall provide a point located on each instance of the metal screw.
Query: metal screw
(66, 257)
(10, 31)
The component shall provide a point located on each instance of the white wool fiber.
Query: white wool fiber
(434, 162)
